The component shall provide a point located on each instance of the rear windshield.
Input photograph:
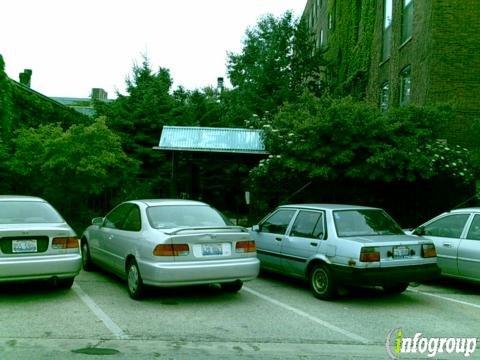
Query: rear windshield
(171, 216)
(364, 223)
(28, 212)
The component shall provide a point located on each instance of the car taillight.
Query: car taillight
(171, 250)
(65, 242)
(428, 250)
(245, 246)
(368, 254)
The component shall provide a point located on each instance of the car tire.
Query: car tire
(65, 283)
(232, 287)
(87, 263)
(134, 281)
(322, 283)
(395, 288)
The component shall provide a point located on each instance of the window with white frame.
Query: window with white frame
(384, 96)
(405, 85)
(387, 29)
(407, 19)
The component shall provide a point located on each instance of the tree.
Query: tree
(355, 151)
(138, 118)
(278, 62)
(68, 167)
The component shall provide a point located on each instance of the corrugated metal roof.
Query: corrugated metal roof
(208, 139)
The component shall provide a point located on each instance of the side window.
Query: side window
(308, 224)
(133, 220)
(115, 219)
(278, 222)
(474, 231)
(450, 226)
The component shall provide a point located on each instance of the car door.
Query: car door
(270, 236)
(123, 238)
(469, 251)
(446, 232)
(302, 241)
(110, 229)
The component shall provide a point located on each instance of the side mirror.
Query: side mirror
(256, 228)
(97, 221)
(420, 231)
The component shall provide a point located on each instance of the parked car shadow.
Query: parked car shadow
(453, 286)
(358, 295)
(26, 288)
(172, 295)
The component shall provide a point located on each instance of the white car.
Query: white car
(170, 243)
(456, 235)
(36, 243)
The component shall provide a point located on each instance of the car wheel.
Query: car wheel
(232, 287)
(395, 288)
(322, 283)
(65, 283)
(86, 259)
(134, 281)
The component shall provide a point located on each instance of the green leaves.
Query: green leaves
(343, 138)
(277, 63)
(69, 166)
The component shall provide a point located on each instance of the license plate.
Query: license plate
(24, 246)
(401, 252)
(212, 249)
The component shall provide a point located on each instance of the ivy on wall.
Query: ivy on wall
(349, 46)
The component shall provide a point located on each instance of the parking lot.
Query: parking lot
(272, 317)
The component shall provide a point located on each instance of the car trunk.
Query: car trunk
(17, 240)
(209, 243)
(396, 250)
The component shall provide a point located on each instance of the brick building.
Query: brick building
(399, 52)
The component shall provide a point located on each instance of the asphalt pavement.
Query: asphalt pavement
(272, 317)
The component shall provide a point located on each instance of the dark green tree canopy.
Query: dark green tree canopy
(278, 62)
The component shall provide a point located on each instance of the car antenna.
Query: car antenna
(464, 202)
(295, 193)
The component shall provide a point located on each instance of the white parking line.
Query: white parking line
(309, 317)
(445, 298)
(109, 323)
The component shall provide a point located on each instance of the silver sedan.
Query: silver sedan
(330, 245)
(170, 243)
(456, 235)
(36, 242)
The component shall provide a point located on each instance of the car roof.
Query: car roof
(328, 206)
(20, 198)
(156, 202)
(470, 209)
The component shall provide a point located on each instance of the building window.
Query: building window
(407, 19)
(405, 85)
(387, 29)
(321, 39)
(384, 96)
(330, 21)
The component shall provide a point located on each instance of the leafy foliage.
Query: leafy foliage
(5, 103)
(332, 139)
(277, 63)
(70, 166)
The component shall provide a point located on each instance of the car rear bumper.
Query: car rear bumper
(199, 272)
(386, 275)
(39, 267)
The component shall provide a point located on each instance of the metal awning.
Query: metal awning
(209, 139)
